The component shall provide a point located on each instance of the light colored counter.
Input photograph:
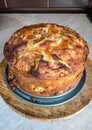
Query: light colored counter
(9, 23)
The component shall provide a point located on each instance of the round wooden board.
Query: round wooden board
(48, 113)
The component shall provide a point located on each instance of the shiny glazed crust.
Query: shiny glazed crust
(46, 59)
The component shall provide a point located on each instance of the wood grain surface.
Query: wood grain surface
(48, 113)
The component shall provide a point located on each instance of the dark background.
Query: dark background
(45, 6)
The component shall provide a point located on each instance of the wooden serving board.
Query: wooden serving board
(48, 113)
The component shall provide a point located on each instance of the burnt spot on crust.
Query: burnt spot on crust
(47, 68)
(43, 63)
(34, 73)
(10, 51)
(60, 66)
(20, 45)
(64, 66)
(55, 57)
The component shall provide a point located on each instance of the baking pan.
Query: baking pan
(46, 101)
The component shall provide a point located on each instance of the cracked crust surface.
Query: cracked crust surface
(46, 59)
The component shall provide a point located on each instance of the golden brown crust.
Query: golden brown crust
(45, 55)
(47, 87)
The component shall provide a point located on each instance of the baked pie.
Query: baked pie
(46, 59)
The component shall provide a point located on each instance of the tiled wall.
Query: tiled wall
(2, 4)
(43, 3)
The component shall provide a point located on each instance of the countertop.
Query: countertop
(9, 23)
